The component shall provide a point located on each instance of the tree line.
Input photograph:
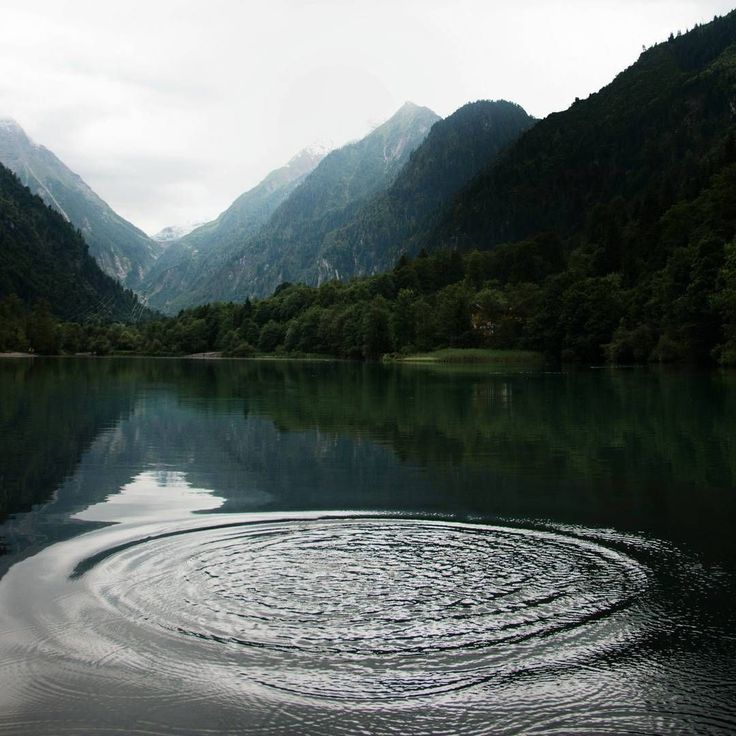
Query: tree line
(532, 295)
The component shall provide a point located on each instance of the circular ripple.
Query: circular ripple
(377, 608)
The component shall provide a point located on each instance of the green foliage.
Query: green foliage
(724, 301)
(453, 309)
(272, 335)
(12, 325)
(242, 350)
(42, 257)
(631, 345)
(590, 310)
(377, 338)
(44, 335)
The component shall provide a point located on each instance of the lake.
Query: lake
(228, 547)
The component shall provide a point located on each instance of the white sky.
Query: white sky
(171, 108)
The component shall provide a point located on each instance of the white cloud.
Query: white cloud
(170, 109)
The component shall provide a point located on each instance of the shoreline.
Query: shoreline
(470, 356)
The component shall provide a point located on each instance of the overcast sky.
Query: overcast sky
(170, 109)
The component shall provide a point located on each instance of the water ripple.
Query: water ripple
(343, 625)
(401, 608)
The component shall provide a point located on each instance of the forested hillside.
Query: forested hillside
(43, 259)
(605, 232)
(392, 223)
(622, 209)
(441, 300)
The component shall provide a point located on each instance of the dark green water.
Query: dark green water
(314, 548)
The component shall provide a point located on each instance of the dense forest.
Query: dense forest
(513, 297)
(43, 258)
(634, 190)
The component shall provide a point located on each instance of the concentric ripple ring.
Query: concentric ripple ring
(375, 608)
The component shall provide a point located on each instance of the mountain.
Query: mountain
(122, 250)
(653, 128)
(169, 234)
(622, 210)
(287, 248)
(190, 259)
(43, 257)
(455, 150)
(604, 232)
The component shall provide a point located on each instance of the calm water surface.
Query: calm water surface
(311, 548)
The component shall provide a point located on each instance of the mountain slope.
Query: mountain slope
(608, 230)
(660, 115)
(122, 250)
(287, 248)
(456, 149)
(189, 260)
(42, 257)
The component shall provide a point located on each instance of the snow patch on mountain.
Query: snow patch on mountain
(174, 232)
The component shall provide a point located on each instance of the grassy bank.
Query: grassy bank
(475, 356)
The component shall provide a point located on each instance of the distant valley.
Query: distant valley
(323, 215)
